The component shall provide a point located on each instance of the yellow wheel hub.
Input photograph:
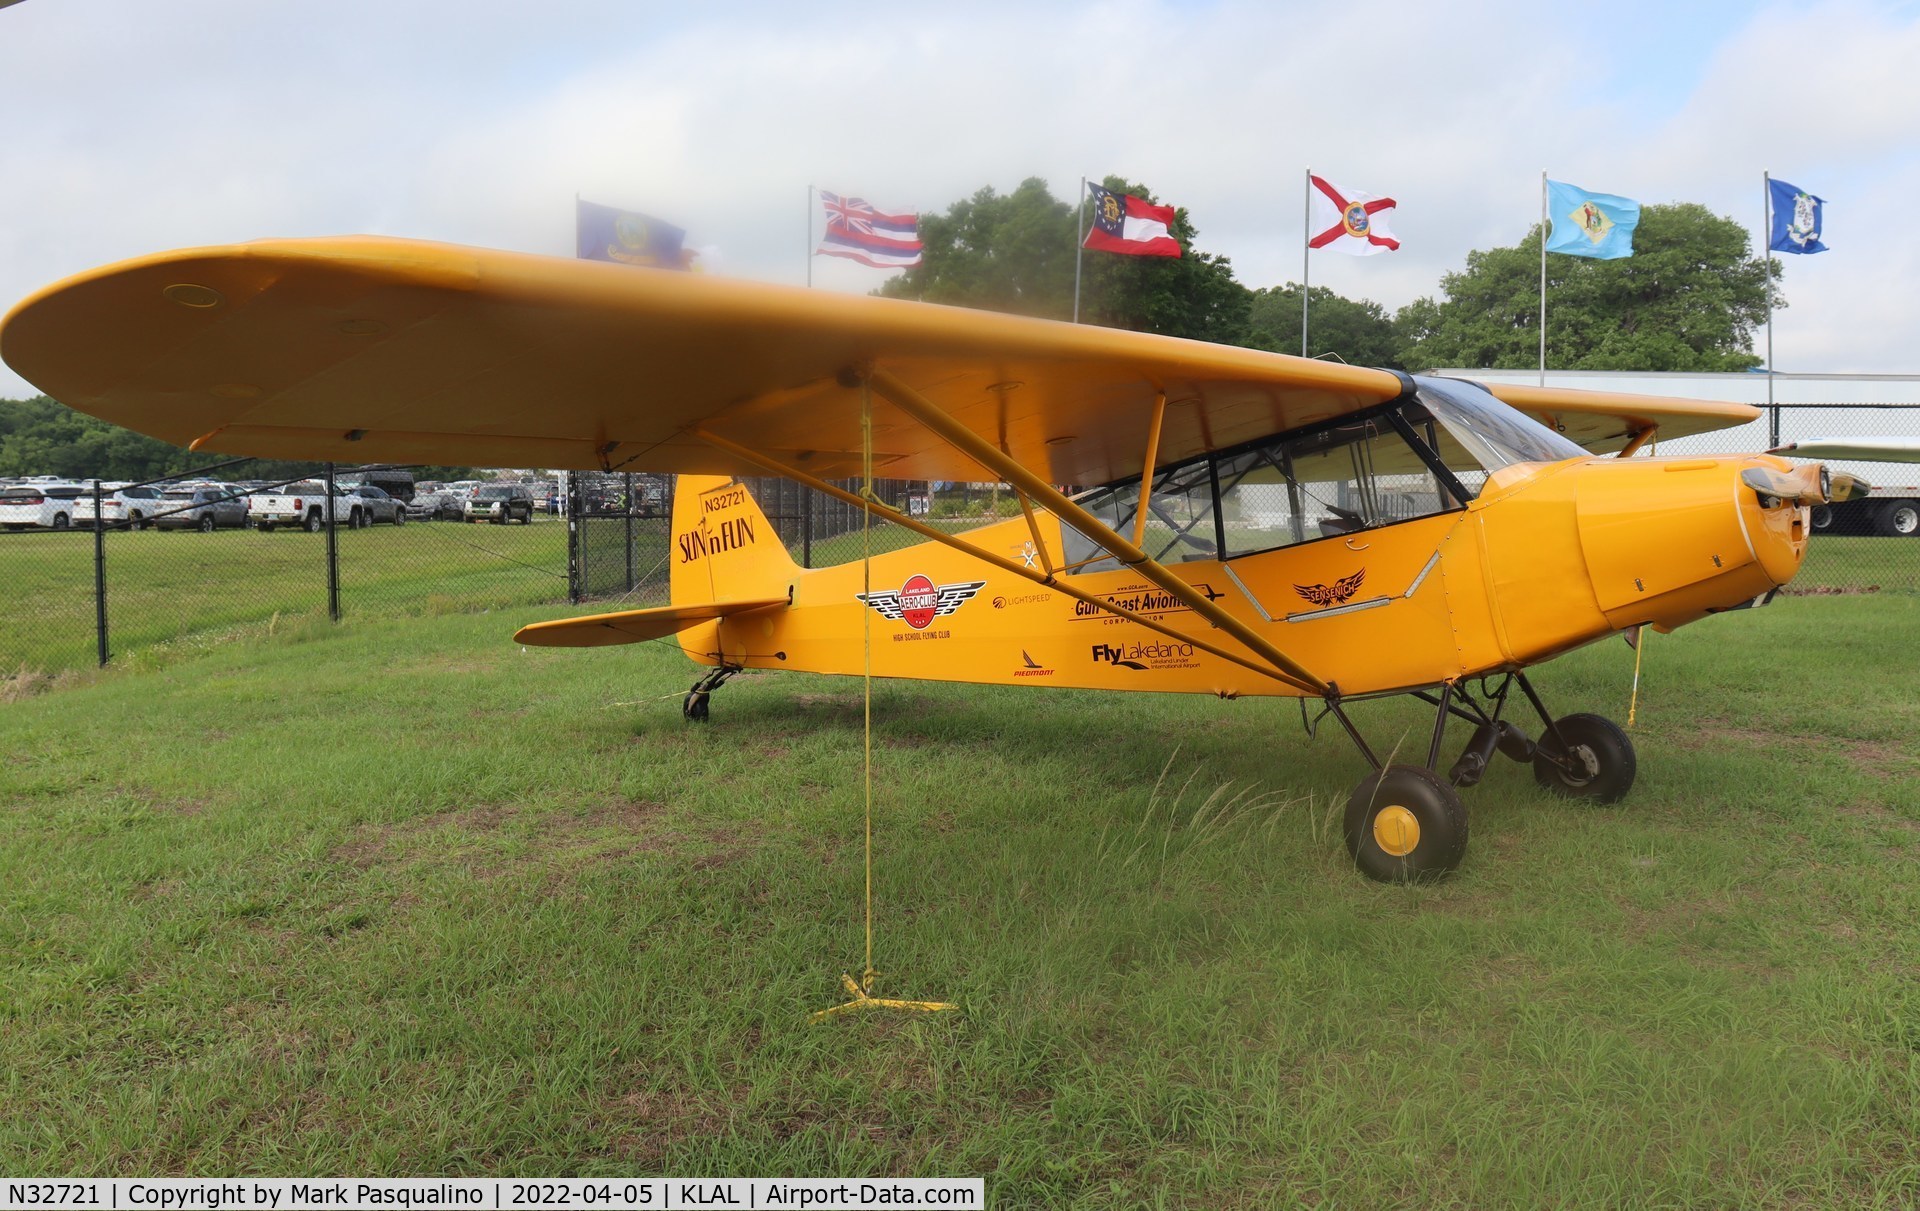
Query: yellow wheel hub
(1396, 830)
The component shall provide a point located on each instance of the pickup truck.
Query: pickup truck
(305, 505)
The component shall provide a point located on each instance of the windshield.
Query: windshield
(1492, 434)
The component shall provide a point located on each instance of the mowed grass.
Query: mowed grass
(397, 897)
(181, 588)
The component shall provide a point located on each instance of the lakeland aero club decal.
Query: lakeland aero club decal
(919, 601)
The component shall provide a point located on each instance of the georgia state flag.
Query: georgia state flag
(1126, 224)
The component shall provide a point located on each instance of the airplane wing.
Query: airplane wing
(631, 626)
(1605, 421)
(1862, 449)
(373, 349)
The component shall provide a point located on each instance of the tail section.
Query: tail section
(723, 548)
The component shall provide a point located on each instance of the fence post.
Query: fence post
(576, 574)
(100, 574)
(627, 499)
(333, 552)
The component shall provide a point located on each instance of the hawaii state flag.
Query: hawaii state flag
(1346, 220)
(860, 233)
(1130, 225)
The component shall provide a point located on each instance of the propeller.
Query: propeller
(1812, 484)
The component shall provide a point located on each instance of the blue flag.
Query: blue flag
(1798, 218)
(1598, 225)
(605, 234)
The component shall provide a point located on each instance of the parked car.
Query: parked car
(39, 505)
(203, 509)
(436, 506)
(498, 504)
(134, 506)
(377, 506)
(302, 504)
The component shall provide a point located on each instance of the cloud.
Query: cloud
(149, 126)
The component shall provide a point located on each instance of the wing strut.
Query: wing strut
(983, 452)
(775, 467)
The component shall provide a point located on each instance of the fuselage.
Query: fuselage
(1544, 558)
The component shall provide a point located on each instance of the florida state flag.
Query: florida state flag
(1346, 220)
(1126, 224)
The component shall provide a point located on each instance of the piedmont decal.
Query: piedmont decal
(1152, 654)
(1332, 594)
(1029, 668)
(920, 601)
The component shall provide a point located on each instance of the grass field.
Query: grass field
(397, 897)
(178, 588)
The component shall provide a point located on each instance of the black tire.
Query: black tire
(695, 707)
(1601, 753)
(399, 517)
(1898, 519)
(61, 521)
(315, 522)
(206, 523)
(1820, 517)
(1406, 825)
(265, 527)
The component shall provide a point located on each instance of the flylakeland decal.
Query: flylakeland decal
(1146, 655)
(919, 602)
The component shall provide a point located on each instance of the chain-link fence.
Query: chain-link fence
(194, 561)
(1870, 545)
(92, 571)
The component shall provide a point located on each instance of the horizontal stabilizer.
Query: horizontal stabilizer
(632, 626)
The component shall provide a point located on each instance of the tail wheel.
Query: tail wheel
(1406, 825)
(1596, 761)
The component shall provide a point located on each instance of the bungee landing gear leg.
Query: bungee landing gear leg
(695, 706)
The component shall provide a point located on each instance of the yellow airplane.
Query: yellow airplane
(1257, 524)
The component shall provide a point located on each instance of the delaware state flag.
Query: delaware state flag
(1349, 221)
(1597, 225)
(1126, 224)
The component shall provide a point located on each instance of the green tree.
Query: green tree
(1689, 298)
(1015, 252)
(1356, 331)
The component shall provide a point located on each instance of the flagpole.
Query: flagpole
(1079, 244)
(1766, 237)
(809, 237)
(1306, 257)
(1543, 277)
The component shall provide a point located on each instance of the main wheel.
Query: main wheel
(1900, 519)
(1406, 825)
(695, 707)
(1598, 759)
(1820, 517)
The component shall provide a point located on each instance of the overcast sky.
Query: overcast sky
(140, 125)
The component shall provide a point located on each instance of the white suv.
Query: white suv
(43, 505)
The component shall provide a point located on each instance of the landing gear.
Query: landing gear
(695, 706)
(1406, 823)
(1586, 757)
